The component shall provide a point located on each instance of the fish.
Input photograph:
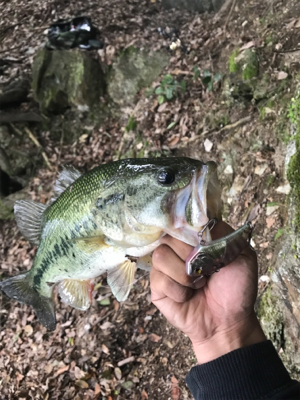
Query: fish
(109, 220)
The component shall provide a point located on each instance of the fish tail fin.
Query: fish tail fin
(20, 288)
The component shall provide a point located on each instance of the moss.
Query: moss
(271, 317)
(233, 66)
(293, 171)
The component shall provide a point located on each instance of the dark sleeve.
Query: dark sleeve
(253, 372)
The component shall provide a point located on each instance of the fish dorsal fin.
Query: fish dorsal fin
(28, 215)
(120, 279)
(68, 175)
(77, 294)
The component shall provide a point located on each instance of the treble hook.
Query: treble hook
(212, 221)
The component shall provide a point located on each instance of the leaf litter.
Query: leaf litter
(129, 351)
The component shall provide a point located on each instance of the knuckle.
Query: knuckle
(160, 254)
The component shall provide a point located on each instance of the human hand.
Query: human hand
(216, 313)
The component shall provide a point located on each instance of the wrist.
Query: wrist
(224, 340)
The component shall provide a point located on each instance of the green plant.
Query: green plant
(168, 89)
(233, 67)
(131, 124)
(293, 110)
(208, 79)
(293, 171)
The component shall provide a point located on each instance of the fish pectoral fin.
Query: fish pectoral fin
(20, 288)
(75, 293)
(120, 279)
(145, 263)
(91, 244)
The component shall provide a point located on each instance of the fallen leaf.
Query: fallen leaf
(282, 75)
(28, 330)
(105, 349)
(144, 395)
(248, 45)
(175, 391)
(162, 107)
(97, 389)
(82, 384)
(61, 370)
(19, 376)
(173, 141)
(127, 385)
(118, 373)
(154, 338)
(270, 221)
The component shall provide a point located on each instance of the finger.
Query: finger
(180, 248)
(163, 286)
(165, 260)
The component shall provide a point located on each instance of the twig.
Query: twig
(126, 361)
(287, 51)
(230, 13)
(37, 143)
(225, 128)
(222, 10)
(241, 121)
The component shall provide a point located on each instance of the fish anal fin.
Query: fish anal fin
(75, 293)
(91, 244)
(28, 215)
(120, 279)
(20, 288)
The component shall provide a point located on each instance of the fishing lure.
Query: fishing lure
(207, 258)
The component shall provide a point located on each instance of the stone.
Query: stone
(62, 79)
(135, 69)
(270, 210)
(200, 6)
(260, 169)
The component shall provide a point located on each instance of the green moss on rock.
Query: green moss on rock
(66, 78)
(135, 69)
(271, 317)
(293, 170)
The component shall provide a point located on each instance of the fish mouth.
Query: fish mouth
(196, 204)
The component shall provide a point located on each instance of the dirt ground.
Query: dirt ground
(128, 350)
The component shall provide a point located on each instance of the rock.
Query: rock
(246, 62)
(228, 170)
(64, 79)
(200, 6)
(260, 169)
(208, 145)
(134, 70)
(14, 93)
(285, 189)
(237, 187)
(270, 210)
(7, 204)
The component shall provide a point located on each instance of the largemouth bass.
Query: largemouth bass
(109, 220)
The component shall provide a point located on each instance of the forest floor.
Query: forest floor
(128, 350)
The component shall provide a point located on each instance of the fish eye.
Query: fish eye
(166, 177)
